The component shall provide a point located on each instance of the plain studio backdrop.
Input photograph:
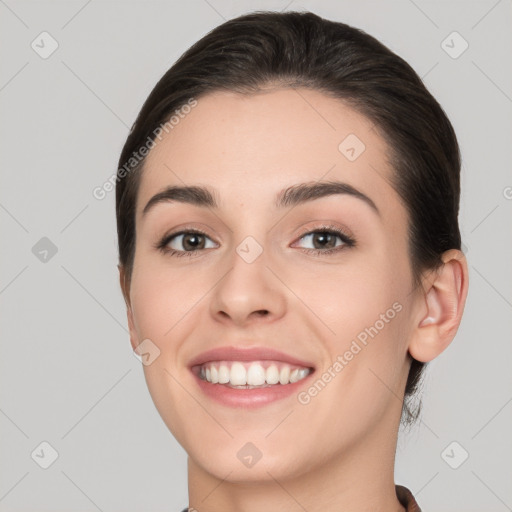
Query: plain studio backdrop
(79, 430)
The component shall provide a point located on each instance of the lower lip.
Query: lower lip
(250, 398)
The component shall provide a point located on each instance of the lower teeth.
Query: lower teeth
(245, 386)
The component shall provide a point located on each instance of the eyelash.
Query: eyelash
(347, 240)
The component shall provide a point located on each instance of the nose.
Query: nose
(248, 293)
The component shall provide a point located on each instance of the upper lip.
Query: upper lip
(247, 354)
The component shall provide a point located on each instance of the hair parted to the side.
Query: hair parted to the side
(262, 50)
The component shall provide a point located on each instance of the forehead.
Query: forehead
(249, 147)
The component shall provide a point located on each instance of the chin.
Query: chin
(244, 461)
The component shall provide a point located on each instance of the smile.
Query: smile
(250, 375)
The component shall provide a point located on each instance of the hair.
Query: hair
(265, 49)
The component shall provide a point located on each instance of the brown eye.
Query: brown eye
(191, 241)
(323, 240)
(185, 242)
(326, 240)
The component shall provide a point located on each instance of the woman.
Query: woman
(289, 253)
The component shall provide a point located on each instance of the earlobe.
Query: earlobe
(442, 305)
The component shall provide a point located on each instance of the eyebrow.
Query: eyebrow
(291, 196)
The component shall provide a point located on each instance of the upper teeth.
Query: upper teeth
(252, 374)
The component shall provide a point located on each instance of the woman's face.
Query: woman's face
(322, 277)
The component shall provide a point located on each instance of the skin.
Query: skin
(337, 452)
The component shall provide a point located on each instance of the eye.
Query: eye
(326, 240)
(190, 243)
(184, 243)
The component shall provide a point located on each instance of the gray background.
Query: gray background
(68, 376)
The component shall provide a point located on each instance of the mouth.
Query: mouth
(249, 377)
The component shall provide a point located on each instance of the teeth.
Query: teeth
(298, 374)
(254, 374)
(223, 374)
(272, 376)
(238, 375)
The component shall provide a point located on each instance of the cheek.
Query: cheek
(350, 296)
(366, 373)
(161, 298)
(364, 305)
(161, 302)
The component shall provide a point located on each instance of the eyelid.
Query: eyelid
(188, 228)
(326, 226)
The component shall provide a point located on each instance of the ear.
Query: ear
(125, 288)
(442, 304)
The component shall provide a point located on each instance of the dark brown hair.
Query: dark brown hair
(300, 49)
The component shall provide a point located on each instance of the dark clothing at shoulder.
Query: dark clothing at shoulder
(406, 498)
